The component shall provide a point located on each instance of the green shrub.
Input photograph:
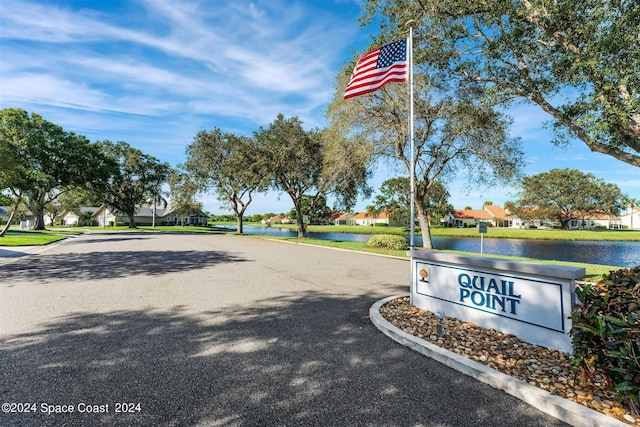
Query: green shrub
(606, 333)
(389, 241)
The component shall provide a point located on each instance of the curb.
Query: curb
(556, 406)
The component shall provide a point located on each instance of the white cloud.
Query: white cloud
(234, 61)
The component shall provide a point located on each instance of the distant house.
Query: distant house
(73, 218)
(144, 215)
(499, 216)
(601, 220)
(24, 218)
(365, 218)
(105, 217)
(343, 219)
(631, 219)
(277, 219)
(495, 215)
(467, 217)
(598, 220)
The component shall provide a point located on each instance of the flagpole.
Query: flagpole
(411, 136)
(412, 163)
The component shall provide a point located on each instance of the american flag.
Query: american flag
(379, 67)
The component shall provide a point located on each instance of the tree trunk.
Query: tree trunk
(299, 221)
(425, 227)
(9, 221)
(240, 222)
(132, 221)
(37, 208)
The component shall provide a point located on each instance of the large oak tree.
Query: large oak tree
(43, 161)
(566, 195)
(230, 165)
(309, 165)
(456, 134)
(137, 179)
(578, 60)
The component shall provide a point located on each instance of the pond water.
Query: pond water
(624, 254)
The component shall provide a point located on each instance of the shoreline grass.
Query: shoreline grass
(493, 232)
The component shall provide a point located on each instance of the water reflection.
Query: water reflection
(624, 254)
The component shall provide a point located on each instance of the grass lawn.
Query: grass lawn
(17, 237)
(29, 238)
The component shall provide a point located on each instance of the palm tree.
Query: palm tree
(632, 204)
(374, 212)
(157, 198)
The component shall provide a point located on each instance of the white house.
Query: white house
(144, 215)
(73, 218)
(343, 219)
(365, 218)
(631, 219)
(492, 214)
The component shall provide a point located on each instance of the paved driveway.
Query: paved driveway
(208, 330)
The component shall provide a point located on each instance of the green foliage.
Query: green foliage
(566, 194)
(137, 178)
(229, 164)
(454, 134)
(389, 241)
(294, 160)
(395, 199)
(43, 161)
(183, 194)
(586, 50)
(315, 207)
(606, 333)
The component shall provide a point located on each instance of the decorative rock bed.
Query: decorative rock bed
(545, 368)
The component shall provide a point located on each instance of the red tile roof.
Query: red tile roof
(472, 214)
(366, 215)
(497, 211)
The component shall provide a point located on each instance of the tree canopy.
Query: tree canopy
(395, 199)
(567, 194)
(41, 157)
(183, 189)
(455, 133)
(137, 179)
(578, 60)
(229, 164)
(309, 165)
(295, 161)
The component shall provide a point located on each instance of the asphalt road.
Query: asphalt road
(219, 330)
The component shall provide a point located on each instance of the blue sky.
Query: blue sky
(155, 72)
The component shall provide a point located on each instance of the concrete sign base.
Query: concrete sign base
(529, 300)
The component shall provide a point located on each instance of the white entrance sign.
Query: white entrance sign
(531, 301)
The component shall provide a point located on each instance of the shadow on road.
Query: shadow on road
(307, 359)
(102, 265)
